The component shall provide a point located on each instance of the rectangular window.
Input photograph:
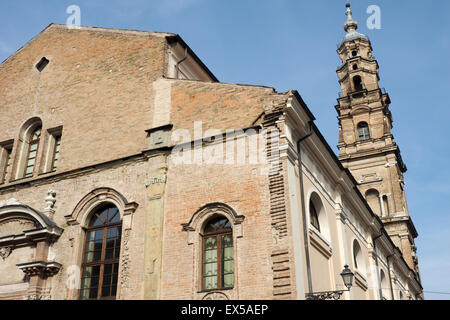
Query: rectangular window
(31, 160)
(53, 148)
(32, 152)
(218, 255)
(363, 133)
(6, 163)
(56, 152)
(99, 277)
(210, 263)
(228, 261)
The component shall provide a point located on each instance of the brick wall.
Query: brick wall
(98, 85)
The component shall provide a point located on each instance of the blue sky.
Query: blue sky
(291, 44)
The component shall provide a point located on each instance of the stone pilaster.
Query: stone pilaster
(154, 220)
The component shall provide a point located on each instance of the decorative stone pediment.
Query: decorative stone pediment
(94, 198)
(208, 211)
(21, 224)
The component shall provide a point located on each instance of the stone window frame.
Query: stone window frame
(79, 220)
(6, 160)
(21, 153)
(363, 131)
(194, 230)
(52, 136)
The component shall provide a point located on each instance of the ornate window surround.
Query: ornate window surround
(53, 139)
(21, 154)
(201, 216)
(46, 229)
(85, 207)
(44, 232)
(194, 230)
(81, 215)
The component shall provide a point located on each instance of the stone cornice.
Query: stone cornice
(404, 219)
(31, 236)
(52, 177)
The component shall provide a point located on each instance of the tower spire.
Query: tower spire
(350, 25)
(366, 142)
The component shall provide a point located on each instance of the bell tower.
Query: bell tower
(366, 143)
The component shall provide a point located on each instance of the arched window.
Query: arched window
(314, 217)
(358, 257)
(357, 82)
(33, 146)
(101, 255)
(363, 131)
(218, 255)
(355, 67)
(318, 217)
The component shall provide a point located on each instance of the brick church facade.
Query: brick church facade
(128, 171)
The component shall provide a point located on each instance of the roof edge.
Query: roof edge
(172, 38)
